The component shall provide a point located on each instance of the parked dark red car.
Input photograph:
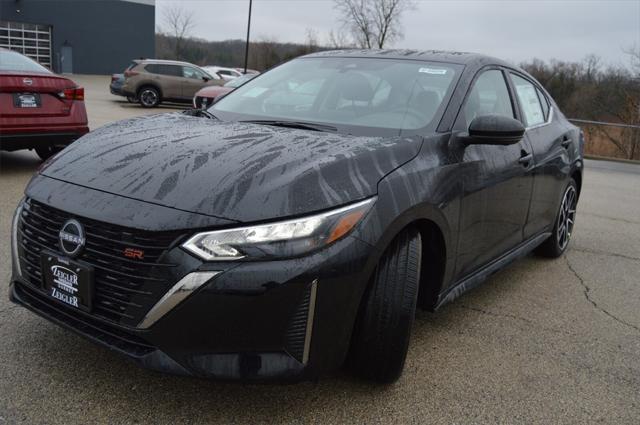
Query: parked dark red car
(39, 109)
(206, 96)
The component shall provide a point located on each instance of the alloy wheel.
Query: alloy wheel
(567, 217)
(149, 97)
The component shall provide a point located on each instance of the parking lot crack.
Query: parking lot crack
(606, 254)
(621, 220)
(515, 317)
(587, 290)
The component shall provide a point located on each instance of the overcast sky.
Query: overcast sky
(513, 30)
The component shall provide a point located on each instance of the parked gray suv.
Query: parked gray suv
(153, 81)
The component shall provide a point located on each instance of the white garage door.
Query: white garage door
(32, 40)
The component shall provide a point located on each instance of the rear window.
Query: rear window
(529, 101)
(13, 61)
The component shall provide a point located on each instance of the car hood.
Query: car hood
(237, 171)
(213, 91)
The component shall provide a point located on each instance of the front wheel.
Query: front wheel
(558, 242)
(381, 336)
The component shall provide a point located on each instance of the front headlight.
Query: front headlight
(278, 240)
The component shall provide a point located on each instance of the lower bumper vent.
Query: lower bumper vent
(298, 337)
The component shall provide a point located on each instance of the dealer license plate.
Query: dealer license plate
(68, 281)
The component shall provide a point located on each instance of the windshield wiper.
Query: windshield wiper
(294, 124)
(197, 112)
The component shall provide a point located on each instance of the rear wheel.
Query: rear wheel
(558, 242)
(47, 152)
(149, 97)
(381, 336)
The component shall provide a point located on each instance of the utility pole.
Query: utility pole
(246, 48)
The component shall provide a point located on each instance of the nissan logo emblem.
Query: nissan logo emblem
(27, 81)
(72, 238)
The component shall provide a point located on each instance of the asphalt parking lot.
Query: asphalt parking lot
(544, 341)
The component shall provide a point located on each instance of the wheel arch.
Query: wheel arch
(145, 85)
(432, 271)
(576, 175)
(434, 262)
(437, 249)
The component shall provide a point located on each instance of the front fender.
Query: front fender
(425, 188)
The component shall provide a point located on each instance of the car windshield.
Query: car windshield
(207, 74)
(360, 92)
(13, 61)
(237, 82)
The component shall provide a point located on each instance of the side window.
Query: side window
(529, 102)
(489, 95)
(173, 70)
(161, 69)
(188, 72)
(152, 68)
(544, 102)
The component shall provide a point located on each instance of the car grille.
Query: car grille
(88, 326)
(125, 289)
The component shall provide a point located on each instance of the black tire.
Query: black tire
(556, 244)
(149, 97)
(132, 99)
(47, 152)
(381, 337)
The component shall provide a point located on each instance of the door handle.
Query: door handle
(525, 159)
(566, 142)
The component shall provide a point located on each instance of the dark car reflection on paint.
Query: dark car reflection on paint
(296, 224)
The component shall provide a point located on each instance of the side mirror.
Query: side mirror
(495, 130)
(205, 79)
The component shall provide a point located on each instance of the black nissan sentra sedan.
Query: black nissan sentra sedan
(297, 224)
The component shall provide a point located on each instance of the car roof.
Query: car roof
(221, 68)
(463, 58)
(163, 61)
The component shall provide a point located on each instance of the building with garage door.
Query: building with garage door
(79, 36)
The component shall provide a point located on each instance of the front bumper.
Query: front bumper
(11, 140)
(283, 320)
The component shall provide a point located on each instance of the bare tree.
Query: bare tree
(338, 40)
(634, 58)
(590, 91)
(180, 23)
(373, 23)
(357, 19)
(312, 39)
(263, 53)
(591, 64)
